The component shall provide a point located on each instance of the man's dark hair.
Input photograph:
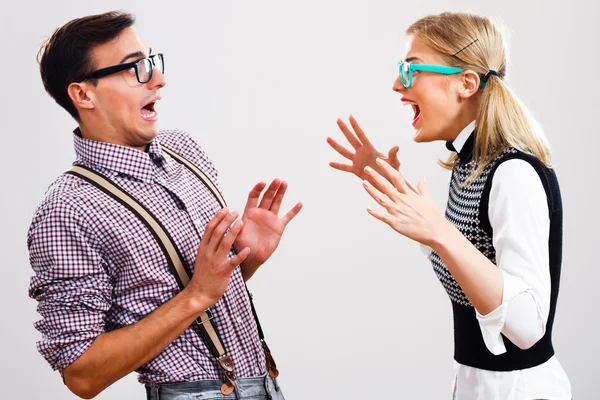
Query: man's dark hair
(66, 55)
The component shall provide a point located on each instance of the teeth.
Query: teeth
(148, 114)
(406, 103)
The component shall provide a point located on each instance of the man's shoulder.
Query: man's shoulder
(176, 139)
(61, 199)
(183, 144)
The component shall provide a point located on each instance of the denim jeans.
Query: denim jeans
(261, 388)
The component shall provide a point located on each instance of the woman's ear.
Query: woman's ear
(469, 84)
(81, 95)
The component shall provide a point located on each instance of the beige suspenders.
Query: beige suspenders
(203, 324)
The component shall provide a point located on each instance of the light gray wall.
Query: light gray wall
(349, 306)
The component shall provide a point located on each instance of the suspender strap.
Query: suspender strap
(271, 367)
(180, 270)
(199, 173)
(175, 262)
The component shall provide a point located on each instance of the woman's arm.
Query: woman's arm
(415, 215)
(519, 215)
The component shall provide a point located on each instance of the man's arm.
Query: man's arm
(115, 354)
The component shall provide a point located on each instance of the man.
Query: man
(110, 303)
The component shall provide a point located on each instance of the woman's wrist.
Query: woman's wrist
(442, 237)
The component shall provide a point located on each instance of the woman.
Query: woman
(497, 252)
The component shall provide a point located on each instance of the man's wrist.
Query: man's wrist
(250, 263)
(194, 302)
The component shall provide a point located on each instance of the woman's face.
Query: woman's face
(435, 98)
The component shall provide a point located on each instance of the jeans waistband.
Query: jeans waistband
(251, 388)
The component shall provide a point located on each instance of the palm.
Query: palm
(364, 154)
(263, 228)
(262, 232)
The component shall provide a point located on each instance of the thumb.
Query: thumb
(422, 188)
(393, 157)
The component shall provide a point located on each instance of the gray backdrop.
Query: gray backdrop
(352, 310)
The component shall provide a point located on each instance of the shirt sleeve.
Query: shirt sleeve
(70, 284)
(518, 213)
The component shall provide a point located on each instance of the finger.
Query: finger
(254, 195)
(359, 132)
(395, 177)
(210, 227)
(393, 157)
(229, 239)
(270, 194)
(354, 142)
(220, 230)
(409, 185)
(382, 184)
(423, 189)
(291, 214)
(279, 197)
(344, 152)
(341, 167)
(241, 256)
(381, 215)
(380, 197)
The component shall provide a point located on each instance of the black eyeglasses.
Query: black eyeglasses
(143, 69)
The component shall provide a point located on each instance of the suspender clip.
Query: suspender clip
(271, 366)
(201, 321)
(227, 366)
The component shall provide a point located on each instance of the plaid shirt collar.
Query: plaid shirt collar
(138, 164)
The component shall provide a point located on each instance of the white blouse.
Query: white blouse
(518, 213)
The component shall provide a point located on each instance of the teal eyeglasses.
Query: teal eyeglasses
(406, 69)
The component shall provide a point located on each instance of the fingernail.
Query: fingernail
(368, 169)
(379, 161)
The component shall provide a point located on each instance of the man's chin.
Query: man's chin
(149, 133)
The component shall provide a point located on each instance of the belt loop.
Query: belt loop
(267, 387)
(152, 391)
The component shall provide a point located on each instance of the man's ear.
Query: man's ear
(81, 95)
(469, 84)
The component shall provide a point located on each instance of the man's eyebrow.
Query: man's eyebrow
(137, 55)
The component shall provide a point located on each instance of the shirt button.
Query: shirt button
(238, 319)
(257, 370)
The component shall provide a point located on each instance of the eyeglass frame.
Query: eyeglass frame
(438, 69)
(100, 73)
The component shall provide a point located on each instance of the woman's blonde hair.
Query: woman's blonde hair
(472, 42)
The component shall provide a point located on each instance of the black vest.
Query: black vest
(467, 209)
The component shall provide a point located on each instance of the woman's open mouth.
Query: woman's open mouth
(416, 109)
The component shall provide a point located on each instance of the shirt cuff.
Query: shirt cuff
(426, 250)
(491, 325)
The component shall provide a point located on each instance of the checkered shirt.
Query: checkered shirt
(98, 268)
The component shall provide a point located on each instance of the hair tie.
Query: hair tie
(490, 72)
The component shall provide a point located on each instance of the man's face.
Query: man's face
(123, 109)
